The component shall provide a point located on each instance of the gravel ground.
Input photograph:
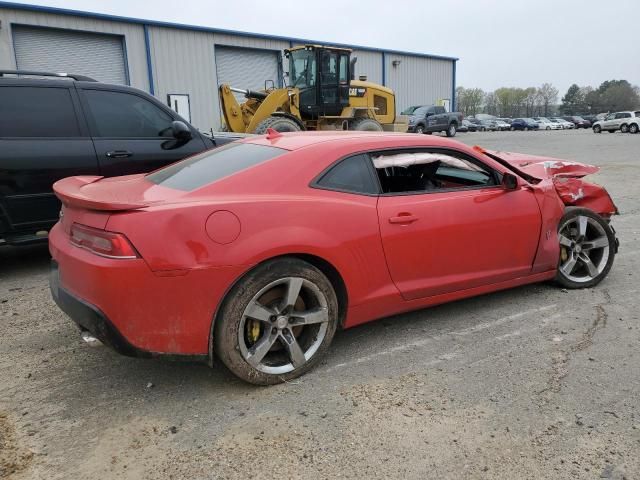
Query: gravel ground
(534, 382)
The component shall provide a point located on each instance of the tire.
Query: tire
(578, 228)
(513, 129)
(526, 129)
(365, 125)
(270, 283)
(597, 129)
(419, 129)
(279, 124)
(452, 130)
(548, 128)
(624, 128)
(633, 128)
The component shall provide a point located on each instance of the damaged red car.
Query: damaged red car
(256, 252)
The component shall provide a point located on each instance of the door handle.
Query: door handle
(403, 219)
(119, 154)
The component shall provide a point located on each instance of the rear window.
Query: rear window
(212, 165)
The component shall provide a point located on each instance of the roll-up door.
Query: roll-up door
(247, 68)
(95, 55)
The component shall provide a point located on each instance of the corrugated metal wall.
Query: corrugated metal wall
(133, 35)
(418, 80)
(184, 61)
(369, 64)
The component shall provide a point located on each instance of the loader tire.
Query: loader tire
(279, 124)
(365, 125)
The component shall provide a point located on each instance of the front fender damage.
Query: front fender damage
(579, 193)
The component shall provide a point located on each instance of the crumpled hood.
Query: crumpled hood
(566, 177)
(545, 167)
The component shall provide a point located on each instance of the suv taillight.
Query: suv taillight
(101, 242)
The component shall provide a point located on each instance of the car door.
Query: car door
(455, 227)
(43, 138)
(131, 133)
(609, 122)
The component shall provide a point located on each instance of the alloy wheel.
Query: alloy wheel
(584, 249)
(283, 325)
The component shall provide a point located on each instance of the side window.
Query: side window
(344, 64)
(329, 68)
(118, 114)
(429, 171)
(350, 175)
(37, 112)
(439, 110)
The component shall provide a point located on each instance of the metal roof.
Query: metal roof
(157, 23)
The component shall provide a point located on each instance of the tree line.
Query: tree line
(610, 96)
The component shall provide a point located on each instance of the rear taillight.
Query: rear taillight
(101, 242)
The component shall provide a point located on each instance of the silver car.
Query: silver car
(616, 121)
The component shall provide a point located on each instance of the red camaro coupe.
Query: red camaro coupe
(257, 251)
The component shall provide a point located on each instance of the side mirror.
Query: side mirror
(509, 181)
(180, 131)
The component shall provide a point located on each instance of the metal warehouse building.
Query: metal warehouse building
(183, 65)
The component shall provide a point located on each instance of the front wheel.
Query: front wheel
(624, 128)
(277, 322)
(587, 248)
(452, 130)
(597, 129)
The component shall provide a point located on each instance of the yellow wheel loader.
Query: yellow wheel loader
(322, 95)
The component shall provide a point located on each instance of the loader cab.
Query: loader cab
(322, 75)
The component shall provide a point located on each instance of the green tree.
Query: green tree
(572, 100)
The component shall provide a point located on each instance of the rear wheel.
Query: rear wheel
(513, 129)
(597, 129)
(277, 322)
(452, 130)
(419, 129)
(624, 128)
(633, 128)
(587, 248)
(365, 125)
(279, 124)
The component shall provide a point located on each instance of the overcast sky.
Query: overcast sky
(499, 42)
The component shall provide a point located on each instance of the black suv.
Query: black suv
(59, 125)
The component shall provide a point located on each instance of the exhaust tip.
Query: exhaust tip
(90, 339)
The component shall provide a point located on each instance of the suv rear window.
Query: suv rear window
(37, 112)
(212, 165)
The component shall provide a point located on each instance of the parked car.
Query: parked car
(590, 118)
(524, 124)
(634, 123)
(564, 123)
(488, 125)
(501, 125)
(615, 121)
(545, 124)
(578, 122)
(506, 120)
(470, 126)
(433, 118)
(189, 262)
(57, 127)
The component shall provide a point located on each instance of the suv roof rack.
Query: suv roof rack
(80, 78)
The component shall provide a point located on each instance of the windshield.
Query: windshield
(302, 68)
(409, 111)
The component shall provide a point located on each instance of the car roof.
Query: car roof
(298, 140)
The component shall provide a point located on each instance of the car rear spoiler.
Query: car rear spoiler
(69, 191)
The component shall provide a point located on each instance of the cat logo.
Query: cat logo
(357, 92)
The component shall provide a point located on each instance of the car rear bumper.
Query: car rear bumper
(129, 307)
(89, 318)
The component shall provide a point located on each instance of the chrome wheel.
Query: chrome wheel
(584, 249)
(283, 325)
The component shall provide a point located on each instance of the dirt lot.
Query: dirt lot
(535, 382)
